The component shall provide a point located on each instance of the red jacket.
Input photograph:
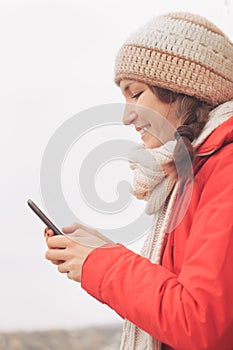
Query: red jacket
(187, 301)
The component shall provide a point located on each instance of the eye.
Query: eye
(137, 95)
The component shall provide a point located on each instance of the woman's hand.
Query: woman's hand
(68, 255)
(71, 250)
(86, 235)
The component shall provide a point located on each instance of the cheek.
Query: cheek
(146, 100)
(150, 101)
(162, 129)
(162, 109)
(173, 120)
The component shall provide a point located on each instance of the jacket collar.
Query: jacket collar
(221, 136)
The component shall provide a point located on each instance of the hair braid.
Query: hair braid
(193, 113)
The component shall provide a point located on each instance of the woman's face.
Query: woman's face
(154, 119)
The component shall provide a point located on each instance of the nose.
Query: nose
(129, 115)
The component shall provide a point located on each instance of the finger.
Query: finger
(76, 226)
(74, 276)
(58, 242)
(63, 268)
(55, 255)
(89, 229)
(104, 238)
(50, 233)
(69, 275)
(46, 231)
(72, 228)
(91, 234)
(57, 262)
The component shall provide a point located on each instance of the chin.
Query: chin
(150, 141)
(152, 144)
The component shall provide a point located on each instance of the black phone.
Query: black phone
(43, 217)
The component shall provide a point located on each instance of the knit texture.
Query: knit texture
(150, 181)
(181, 52)
(134, 338)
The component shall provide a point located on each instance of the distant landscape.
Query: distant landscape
(92, 338)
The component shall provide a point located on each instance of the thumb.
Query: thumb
(71, 228)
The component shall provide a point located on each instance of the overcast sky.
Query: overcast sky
(57, 59)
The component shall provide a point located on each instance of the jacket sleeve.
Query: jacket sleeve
(192, 310)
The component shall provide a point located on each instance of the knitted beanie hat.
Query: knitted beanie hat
(181, 52)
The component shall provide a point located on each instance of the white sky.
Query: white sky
(57, 59)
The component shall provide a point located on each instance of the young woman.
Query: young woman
(177, 294)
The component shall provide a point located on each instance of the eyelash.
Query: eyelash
(137, 95)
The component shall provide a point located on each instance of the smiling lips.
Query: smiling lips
(142, 129)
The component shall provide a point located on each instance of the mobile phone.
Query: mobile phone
(43, 217)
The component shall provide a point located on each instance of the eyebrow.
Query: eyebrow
(126, 87)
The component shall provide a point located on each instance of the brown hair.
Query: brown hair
(190, 112)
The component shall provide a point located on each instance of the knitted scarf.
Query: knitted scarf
(160, 192)
(149, 176)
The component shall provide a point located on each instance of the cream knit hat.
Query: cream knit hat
(181, 52)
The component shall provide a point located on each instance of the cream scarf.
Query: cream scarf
(160, 191)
